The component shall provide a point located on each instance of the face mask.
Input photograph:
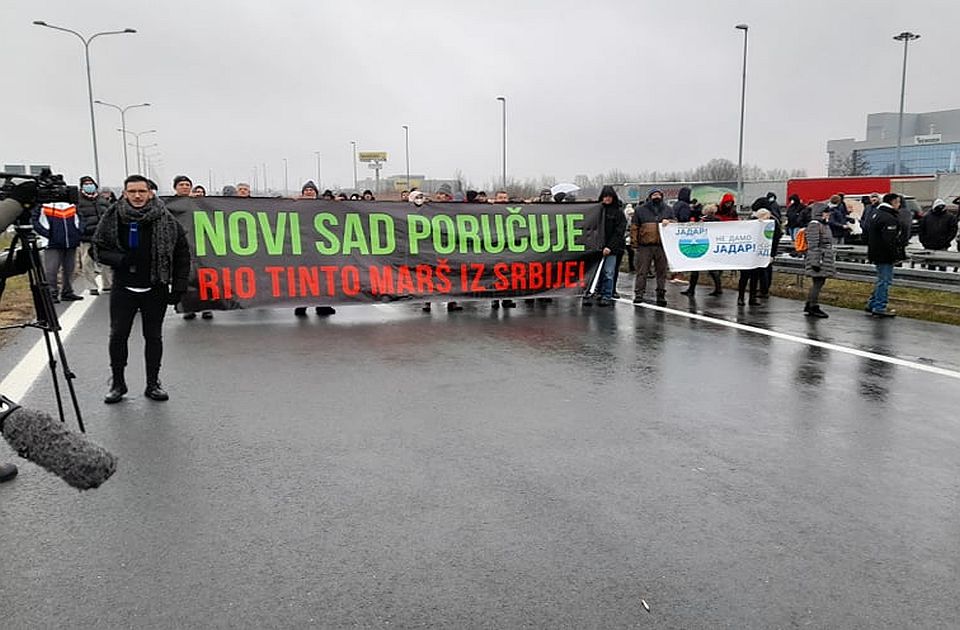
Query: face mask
(89, 188)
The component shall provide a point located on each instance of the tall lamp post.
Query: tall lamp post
(137, 135)
(503, 180)
(406, 147)
(743, 98)
(356, 186)
(286, 187)
(317, 153)
(86, 52)
(123, 128)
(906, 37)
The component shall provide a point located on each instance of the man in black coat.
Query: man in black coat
(884, 249)
(614, 241)
(148, 251)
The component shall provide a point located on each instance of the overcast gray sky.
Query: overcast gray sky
(590, 86)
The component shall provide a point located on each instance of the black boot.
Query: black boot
(816, 311)
(661, 298)
(806, 308)
(118, 387)
(153, 390)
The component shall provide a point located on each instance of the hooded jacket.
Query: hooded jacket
(682, 208)
(614, 222)
(938, 227)
(59, 223)
(724, 214)
(883, 239)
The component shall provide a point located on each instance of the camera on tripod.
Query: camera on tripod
(29, 191)
(19, 195)
(48, 188)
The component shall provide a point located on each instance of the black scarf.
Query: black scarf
(163, 237)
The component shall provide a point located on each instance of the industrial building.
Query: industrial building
(930, 144)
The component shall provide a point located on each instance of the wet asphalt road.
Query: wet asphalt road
(539, 467)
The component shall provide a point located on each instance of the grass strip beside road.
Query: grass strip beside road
(924, 304)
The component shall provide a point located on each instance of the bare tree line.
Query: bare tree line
(716, 170)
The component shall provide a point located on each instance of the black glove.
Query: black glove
(815, 268)
(174, 297)
(25, 192)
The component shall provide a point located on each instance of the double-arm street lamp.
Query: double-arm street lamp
(906, 37)
(136, 135)
(123, 128)
(86, 52)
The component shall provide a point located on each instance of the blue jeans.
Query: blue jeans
(878, 301)
(607, 273)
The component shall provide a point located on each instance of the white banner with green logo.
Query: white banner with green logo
(717, 245)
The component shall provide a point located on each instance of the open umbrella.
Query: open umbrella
(564, 188)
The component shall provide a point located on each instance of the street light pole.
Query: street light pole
(317, 153)
(906, 37)
(86, 55)
(137, 136)
(406, 145)
(503, 101)
(286, 187)
(123, 127)
(356, 186)
(743, 99)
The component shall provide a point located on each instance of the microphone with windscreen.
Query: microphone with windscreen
(36, 436)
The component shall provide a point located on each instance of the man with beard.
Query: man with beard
(147, 249)
(645, 232)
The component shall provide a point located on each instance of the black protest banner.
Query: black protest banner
(258, 252)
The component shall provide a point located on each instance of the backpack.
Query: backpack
(800, 241)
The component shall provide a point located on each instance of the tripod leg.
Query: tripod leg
(52, 362)
(68, 376)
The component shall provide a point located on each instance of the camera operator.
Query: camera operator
(15, 207)
(92, 207)
(60, 224)
(147, 249)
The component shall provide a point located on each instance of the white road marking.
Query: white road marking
(21, 378)
(803, 340)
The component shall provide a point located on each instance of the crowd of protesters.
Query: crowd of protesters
(134, 249)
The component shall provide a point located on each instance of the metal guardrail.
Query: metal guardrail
(865, 272)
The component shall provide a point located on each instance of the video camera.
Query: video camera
(33, 189)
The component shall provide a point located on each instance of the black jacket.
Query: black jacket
(90, 211)
(796, 213)
(614, 228)
(883, 239)
(682, 208)
(937, 229)
(132, 268)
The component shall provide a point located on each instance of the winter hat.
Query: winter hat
(181, 178)
(939, 203)
(654, 190)
(310, 184)
(445, 189)
(87, 179)
(772, 195)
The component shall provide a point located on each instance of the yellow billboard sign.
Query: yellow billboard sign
(372, 156)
